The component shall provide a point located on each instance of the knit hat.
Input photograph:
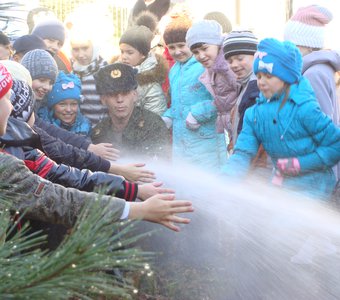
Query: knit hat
(206, 32)
(40, 64)
(138, 37)
(221, 19)
(67, 86)
(50, 29)
(22, 100)
(147, 19)
(27, 43)
(5, 81)
(239, 42)
(17, 70)
(307, 26)
(176, 30)
(115, 78)
(280, 59)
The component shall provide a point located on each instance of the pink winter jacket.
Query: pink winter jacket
(220, 81)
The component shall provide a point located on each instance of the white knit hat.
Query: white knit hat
(306, 27)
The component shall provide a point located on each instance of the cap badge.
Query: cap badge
(116, 73)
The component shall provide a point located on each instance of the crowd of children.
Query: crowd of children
(232, 102)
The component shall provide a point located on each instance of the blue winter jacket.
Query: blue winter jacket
(204, 146)
(299, 129)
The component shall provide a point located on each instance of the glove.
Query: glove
(288, 166)
(167, 121)
(191, 122)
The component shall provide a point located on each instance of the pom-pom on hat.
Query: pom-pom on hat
(50, 29)
(5, 81)
(67, 86)
(138, 37)
(239, 42)
(27, 43)
(206, 32)
(176, 30)
(280, 59)
(307, 26)
(115, 78)
(22, 100)
(40, 64)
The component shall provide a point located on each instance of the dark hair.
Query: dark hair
(4, 40)
(197, 45)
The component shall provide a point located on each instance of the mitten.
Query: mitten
(288, 166)
(191, 122)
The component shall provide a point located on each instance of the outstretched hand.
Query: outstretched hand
(161, 209)
(133, 172)
(104, 150)
(146, 191)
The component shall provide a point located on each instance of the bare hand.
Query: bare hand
(162, 209)
(146, 191)
(133, 172)
(104, 150)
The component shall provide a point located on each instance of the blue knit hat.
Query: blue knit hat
(40, 64)
(50, 29)
(206, 32)
(27, 43)
(67, 86)
(280, 59)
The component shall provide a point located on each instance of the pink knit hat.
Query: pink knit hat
(306, 27)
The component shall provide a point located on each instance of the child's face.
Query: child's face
(5, 111)
(82, 52)
(241, 65)
(5, 52)
(179, 51)
(53, 45)
(130, 55)
(269, 85)
(41, 86)
(206, 54)
(66, 111)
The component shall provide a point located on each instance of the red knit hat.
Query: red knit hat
(5, 81)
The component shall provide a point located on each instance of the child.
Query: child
(205, 39)
(86, 61)
(302, 142)
(202, 145)
(135, 45)
(239, 48)
(43, 70)
(5, 47)
(63, 105)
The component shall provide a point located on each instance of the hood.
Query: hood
(329, 57)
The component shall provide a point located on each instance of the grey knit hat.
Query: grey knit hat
(138, 37)
(40, 64)
(239, 42)
(206, 32)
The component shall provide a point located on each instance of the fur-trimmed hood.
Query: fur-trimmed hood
(153, 69)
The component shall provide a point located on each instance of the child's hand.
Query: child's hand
(104, 150)
(146, 191)
(288, 166)
(133, 172)
(162, 209)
